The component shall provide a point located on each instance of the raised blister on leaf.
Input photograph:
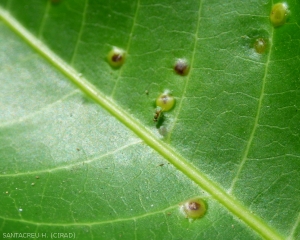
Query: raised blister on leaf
(260, 45)
(166, 101)
(181, 67)
(279, 14)
(116, 57)
(194, 208)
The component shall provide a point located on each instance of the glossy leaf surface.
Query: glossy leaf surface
(80, 152)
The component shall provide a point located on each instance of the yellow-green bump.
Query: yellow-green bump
(116, 57)
(279, 14)
(194, 208)
(166, 101)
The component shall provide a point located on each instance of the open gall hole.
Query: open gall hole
(279, 14)
(165, 101)
(194, 208)
(116, 57)
(181, 67)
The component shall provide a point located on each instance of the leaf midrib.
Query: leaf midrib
(162, 148)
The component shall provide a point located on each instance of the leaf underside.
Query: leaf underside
(80, 152)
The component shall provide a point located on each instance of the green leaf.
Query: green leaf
(80, 153)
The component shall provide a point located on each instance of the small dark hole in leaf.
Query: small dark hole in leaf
(194, 206)
(116, 58)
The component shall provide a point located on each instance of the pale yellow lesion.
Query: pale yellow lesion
(166, 101)
(116, 57)
(194, 208)
(279, 14)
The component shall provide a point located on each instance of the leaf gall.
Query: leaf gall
(166, 101)
(116, 57)
(181, 67)
(260, 45)
(194, 208)
(279, 14)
